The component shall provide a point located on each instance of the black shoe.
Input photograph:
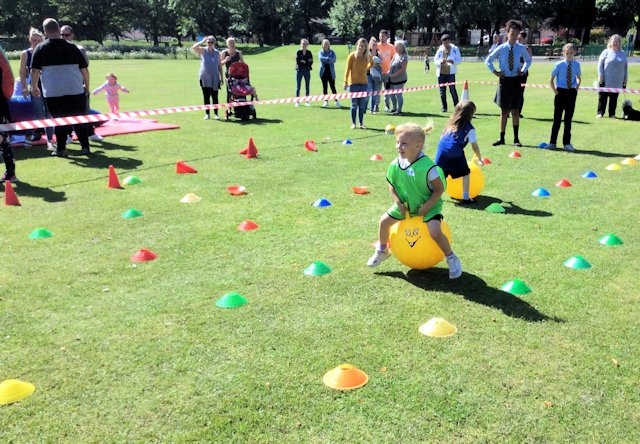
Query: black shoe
(443, 110)
(517, 143)
(468, 201)
(498, 142)
(85, 151)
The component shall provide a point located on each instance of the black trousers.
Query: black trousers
(564, 102)
(67, 106)
(602, 103)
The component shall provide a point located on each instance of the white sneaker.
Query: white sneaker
(455, 269)
(297, 104)
(215, 116)
(96, 137)
(325, 104)
(338, 104)
(206, 117)
(378, 257)
(51, 146)
(307, 104)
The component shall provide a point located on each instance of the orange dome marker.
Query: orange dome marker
(237, 190)
(345, 377)
(361, 190)
(248, 225)
(144, 256)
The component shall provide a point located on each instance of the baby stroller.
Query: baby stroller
(238, 88)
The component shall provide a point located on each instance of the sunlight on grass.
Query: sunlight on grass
(137, 352)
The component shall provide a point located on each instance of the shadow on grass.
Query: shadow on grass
(100, 160)
(509, 207)
(46, 194)
(473, 289)
(252, 121)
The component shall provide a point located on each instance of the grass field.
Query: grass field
(124, 352)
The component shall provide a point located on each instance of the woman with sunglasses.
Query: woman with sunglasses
(210, 72)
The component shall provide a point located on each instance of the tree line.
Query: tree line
(274, 22)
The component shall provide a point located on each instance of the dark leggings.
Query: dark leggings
(210, 94)
(327, 80)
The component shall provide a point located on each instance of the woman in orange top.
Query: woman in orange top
(355, 79)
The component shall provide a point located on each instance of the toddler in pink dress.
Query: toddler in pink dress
(111, 89)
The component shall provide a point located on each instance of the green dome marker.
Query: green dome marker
(516, 286)
(610, 240)
(132, 180)
(231, 300)
(131, 213)
(318, 268)
(577, 263)
(495, 208)
(40, 233)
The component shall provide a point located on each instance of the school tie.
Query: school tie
(510, 58)
(569, 76)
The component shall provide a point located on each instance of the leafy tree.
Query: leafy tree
(95, 19)
(620, 15)
(345, 17)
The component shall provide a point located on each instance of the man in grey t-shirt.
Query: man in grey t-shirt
(62, 70)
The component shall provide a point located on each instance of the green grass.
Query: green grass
(124, 353)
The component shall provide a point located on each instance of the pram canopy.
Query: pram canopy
(239, 70)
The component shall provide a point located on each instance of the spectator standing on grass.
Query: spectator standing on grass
(565, 82)
(230, 55)
(39, 112)
(522, 39)
(386, 51)
(509, 93)
(210, 73)
(612, 73)
(6, 84)
(447, 59)
(66, 32)
(355, 79)
(327, 57)
(304, 63)
(65, 83)
(374, 75)
(398, 76)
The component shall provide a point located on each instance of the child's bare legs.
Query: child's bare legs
(382, 252)
(435, 230)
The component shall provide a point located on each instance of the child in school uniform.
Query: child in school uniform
(565, 81)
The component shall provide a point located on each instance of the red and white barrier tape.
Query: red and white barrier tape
(95, 118)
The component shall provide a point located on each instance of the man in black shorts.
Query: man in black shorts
(509, 94)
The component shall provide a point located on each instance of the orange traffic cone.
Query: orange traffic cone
(310, 145)
(10, 197)
(182, 168)
(465, 91)
(251, 148)
(113, 178)
(252, 151)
